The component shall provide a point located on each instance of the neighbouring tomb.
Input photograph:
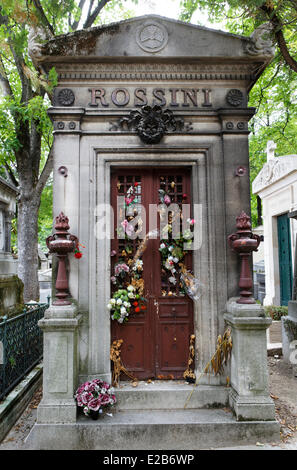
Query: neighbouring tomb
(11, 287)
(276, 184)
(153, 111)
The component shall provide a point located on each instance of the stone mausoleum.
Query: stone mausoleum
(145, 109)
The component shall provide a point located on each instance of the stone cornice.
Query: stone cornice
(8, 186)
(156, 72)
(274, 170)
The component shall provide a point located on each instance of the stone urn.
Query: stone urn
(244, 242)
(62, 243)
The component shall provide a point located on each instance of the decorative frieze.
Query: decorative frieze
(151, 72)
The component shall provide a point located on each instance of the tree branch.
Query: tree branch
(279, 36)
(75, 23)
(47, 169)
(43, 18)
(6, 88)
(91, 17)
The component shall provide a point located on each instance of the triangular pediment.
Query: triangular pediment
(153, 36)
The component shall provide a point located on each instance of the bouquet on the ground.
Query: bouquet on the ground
(94, 396)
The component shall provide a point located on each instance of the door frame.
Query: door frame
(208, 311)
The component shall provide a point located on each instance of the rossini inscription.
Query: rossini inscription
(142, 96)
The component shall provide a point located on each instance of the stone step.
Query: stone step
(154, 430)
(160, 395)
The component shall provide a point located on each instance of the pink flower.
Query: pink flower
(121, 268)
(130, 199)
(128, 228)
(95, 404)
(105, 399)
(86, 397)
(113, 253)
(167, 199)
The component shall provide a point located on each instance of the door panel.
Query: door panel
(156, 341)
(285, 258)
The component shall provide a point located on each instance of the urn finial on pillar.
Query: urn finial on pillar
(244, 242)
(61, 243)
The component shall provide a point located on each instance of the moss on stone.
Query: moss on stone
(291, 328)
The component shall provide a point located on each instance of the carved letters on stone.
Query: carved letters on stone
(151, 123)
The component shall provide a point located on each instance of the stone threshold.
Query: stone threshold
(160, 395)
(17, 400)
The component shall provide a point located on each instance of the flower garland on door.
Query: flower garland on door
(128, 297)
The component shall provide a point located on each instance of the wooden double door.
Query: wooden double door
(156, 338)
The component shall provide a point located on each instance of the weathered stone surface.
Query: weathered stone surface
(11, 295)
(289, 333)
(157, 430)
(249, 396)
(203, 76)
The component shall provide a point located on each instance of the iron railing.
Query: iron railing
(21, 346)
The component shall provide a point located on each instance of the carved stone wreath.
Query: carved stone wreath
(151, 123)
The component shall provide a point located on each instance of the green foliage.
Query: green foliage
(276, 313)
(45, 216)
(274, 95)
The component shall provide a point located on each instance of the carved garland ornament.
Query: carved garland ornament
(151, 123)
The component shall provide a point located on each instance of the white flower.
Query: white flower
(162, 246)
(175, 259)
(127, 304)
(172, 280)
(138, 265)
(119, 302)
(123, 310)
(109, 306)
(131, 295)
(112, 301)
(170, 258)
(170, 248)
(120, 320)
(130, 288)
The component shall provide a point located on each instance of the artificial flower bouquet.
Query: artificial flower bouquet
(94, 397)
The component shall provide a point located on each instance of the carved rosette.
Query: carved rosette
(234, 97)
(66, 97)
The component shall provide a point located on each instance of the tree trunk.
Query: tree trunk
(28, 247)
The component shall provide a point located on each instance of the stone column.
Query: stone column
(60, 328)
(249, 395)
(289, 335)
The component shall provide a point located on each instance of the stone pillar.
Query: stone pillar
(60, 327)
(249, 395)
(8, 217)
(289, 334)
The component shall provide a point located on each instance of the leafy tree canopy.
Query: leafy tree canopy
(274, 95)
